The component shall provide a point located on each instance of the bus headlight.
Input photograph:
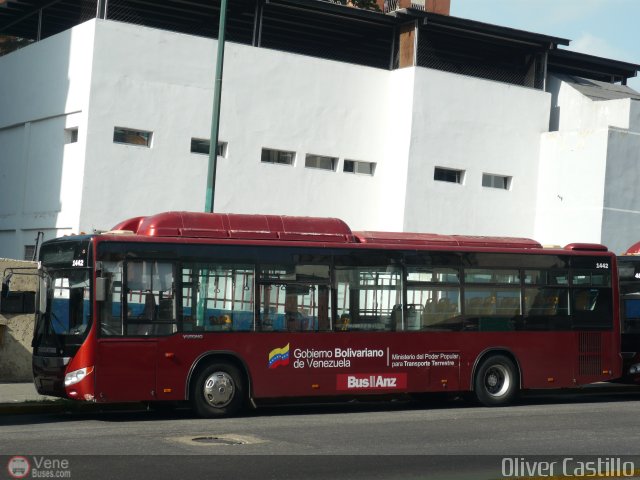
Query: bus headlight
(634, 369)
(76, 376)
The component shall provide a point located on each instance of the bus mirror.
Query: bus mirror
(101, 289)
(42, 295)
(16, 302)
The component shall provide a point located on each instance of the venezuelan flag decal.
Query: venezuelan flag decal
(279, 357)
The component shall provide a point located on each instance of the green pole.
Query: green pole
(213, 156)
(215, 115)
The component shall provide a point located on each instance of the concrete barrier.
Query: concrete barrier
(16, 330)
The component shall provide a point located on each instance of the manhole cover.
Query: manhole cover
(218, 441)
(204, 440)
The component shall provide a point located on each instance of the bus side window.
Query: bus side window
(591, 309)
(546, 308)
(111, 309)
(217, 297)
(150, 298)
(367, 297)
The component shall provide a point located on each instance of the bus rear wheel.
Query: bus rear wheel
(218, 391)
(496, 382)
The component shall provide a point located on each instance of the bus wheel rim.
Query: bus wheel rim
(219, 389)
(497, 381)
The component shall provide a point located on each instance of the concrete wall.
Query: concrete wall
(16, 331)
(588, 189)
(478, 126)
(573, 111)
(571, 187)
(104, 74)
(45, 92)
(143, 79)
(621, 212)
(406, 122)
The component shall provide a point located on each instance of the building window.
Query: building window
(320, 161)
(277, 156)
(448, 175)
(356, 166)
(200, 145)
(496, 181)
(29, 252)
(70, 135)
(132, 137)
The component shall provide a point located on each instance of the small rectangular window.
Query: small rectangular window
(132, 137)
(587, 277)
(201, 145)
(448, 175)
(356, 166)
(70, 135)
(29, 252)
(496, 181)
(277, 156)
(432, 275)
(478, 275)
(320, 161)
(544, 277)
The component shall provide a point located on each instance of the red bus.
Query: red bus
(222, 310)
(629, 277)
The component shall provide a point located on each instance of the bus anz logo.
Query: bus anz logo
(379, 381)
(279, 357)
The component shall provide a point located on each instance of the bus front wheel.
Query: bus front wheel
(218, 391)
(496, 381)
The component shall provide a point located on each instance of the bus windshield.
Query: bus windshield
(67, 319)
(629, 274)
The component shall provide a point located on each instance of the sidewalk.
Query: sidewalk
(11, 393)
(23, 398)
(17, 398)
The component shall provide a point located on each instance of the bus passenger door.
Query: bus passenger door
(131, 320)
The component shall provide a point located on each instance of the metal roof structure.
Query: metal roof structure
(597, 90)
(589, 66)
(333, 31)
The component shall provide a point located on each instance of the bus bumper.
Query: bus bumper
(48, 375)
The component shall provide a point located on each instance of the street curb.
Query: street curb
(49, 406)
(60, 405)
(64, 406)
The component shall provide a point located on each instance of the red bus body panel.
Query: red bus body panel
(332, 363)
(419, 362)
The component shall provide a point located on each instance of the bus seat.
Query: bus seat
(150, 310)
(148, 314)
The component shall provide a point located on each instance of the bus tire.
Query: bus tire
(496, 381)
(218, 391)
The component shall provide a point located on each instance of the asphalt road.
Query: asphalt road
(390, 440)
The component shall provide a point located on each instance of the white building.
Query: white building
(98, 123)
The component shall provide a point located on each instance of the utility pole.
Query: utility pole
(213, 156)
(215, 114)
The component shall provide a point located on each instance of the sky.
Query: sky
(605, 28)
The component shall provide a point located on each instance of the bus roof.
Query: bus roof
(239, 226)
(306, 229)
(633, 249)
(433, 239)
